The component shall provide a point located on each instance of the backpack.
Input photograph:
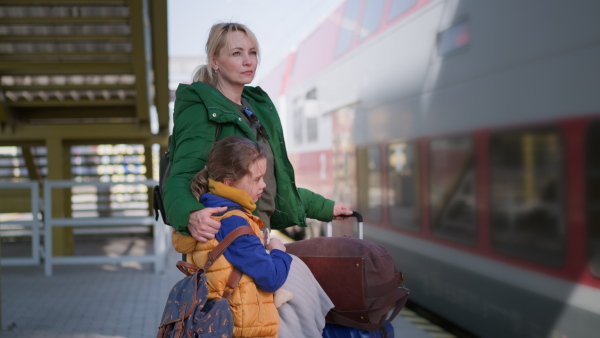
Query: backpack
(164, 168)
(359, 277)
(188, 312)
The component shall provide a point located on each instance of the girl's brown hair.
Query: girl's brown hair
(229, 158)
(217, 39)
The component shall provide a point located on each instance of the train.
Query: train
(464, 133)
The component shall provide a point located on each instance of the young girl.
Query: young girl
(233, 177)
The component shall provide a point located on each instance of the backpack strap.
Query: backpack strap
(236, 274)
(214, 254)
(220, 248)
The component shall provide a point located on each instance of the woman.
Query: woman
(217, 105)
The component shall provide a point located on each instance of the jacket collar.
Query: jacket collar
(236, 195)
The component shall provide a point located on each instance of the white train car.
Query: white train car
(466, 133)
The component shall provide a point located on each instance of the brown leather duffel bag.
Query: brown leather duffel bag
(359, 277)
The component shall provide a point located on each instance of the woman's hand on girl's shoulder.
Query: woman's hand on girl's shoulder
(201, 226)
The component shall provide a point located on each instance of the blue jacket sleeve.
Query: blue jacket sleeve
(248, 254)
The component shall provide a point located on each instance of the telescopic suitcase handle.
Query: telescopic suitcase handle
(359, 219)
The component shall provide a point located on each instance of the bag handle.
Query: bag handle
(185, 266)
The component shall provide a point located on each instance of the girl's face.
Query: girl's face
(237, 62)
(253, 182)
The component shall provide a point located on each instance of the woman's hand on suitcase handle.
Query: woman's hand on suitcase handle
(340, 210)
(201, 226)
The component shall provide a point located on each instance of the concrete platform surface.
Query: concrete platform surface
(98, 301)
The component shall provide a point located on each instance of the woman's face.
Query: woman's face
(236, 64)
(253, 183)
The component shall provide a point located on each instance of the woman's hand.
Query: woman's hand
(275, 244)
(339, 209)
(201, 226)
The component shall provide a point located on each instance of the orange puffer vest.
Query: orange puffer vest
(254, 311)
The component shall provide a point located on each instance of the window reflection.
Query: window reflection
(369, 183)
(402, 190)
(454, 39)
(593, 194)
(526, 197)
(371, 18)
(347, 26)
(452, 189)
(399, 7)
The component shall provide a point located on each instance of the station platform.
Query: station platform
(110, 301)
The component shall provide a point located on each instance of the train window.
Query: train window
(371, 18)
(399, 7)
(402, 189)
(593, 197)
(297, 121)
(348, 26)
(454, 39)
(369, 183)
(312, 127)
(452, 189)
(526, 215)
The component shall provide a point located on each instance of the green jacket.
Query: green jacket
(202, 113)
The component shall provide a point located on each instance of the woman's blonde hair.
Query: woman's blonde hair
(217, 39)
(229, 158)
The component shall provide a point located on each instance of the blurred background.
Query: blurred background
(462, 130)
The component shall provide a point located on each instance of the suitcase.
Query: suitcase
(359, 277)
(338, 331)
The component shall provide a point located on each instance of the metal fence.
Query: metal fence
(34, 224)
(160, 234)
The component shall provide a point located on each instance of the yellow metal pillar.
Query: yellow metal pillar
(59, 165)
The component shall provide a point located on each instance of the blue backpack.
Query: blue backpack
(189, 312)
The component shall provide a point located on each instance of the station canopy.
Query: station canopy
(83, 69)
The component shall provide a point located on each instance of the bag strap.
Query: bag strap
(232, 282)
(214, 254)
(236, 274)
(222, 246)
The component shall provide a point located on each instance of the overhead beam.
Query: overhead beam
(65, 38)
(100, 131)
(59, 2)
(89, 115)
(72, 103)
(64, 68)
(142, 61)
(64, 20)
(62, 57)
(160, 48)
(73, 112)
(52, 87)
